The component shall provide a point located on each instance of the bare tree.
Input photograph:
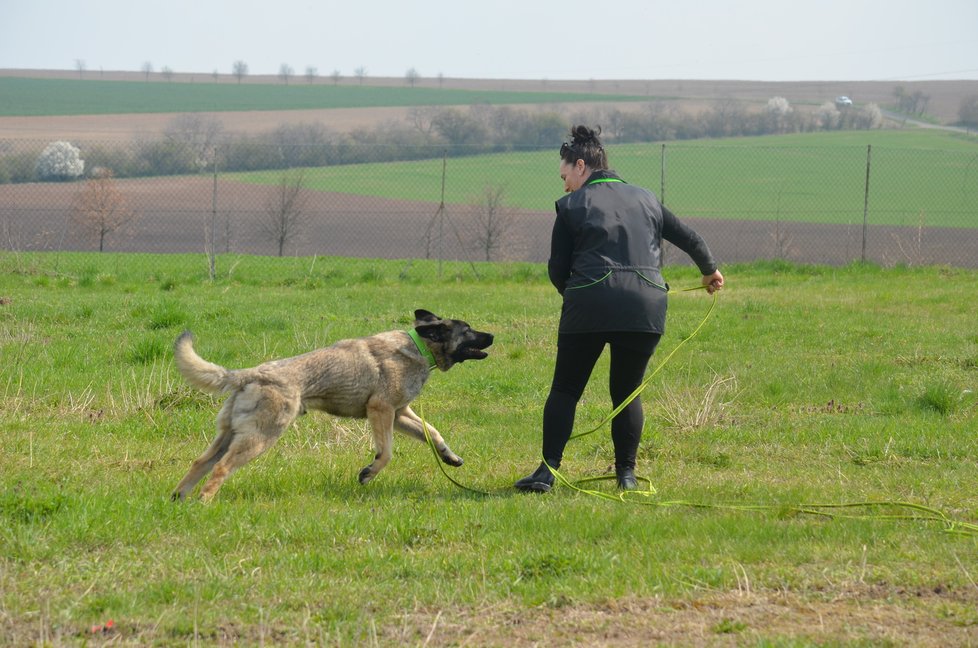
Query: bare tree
(240, 70)
(360, 73)
(421, 118)
(311, 73)
(460, 130)
(285, 72)
(493, 221)
(147, 69)
(197, 135)
(912, 103)
(167, 73)
(336, 76)
(81, 66)
(777, 111)
(725, 117)
(412, 76)
(968, 111)
(284, 218)
(99, 208)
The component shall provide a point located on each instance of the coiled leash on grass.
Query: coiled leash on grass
(906, 511)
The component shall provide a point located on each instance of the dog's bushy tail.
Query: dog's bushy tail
(200, 373)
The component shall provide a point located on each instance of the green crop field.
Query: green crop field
(928, 176)
(809, 386)
(37, 97)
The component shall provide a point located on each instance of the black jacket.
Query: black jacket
(605, 254)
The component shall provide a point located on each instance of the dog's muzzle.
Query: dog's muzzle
(473, 349)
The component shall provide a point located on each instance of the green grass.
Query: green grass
(917, 178)
(826, 385)
(37, 97)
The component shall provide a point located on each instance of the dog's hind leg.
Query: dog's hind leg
(203, 464)
(411, 424)
(380, 415)
(258, 418)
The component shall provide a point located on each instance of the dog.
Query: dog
(373, 377)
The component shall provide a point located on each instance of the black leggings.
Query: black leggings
(576, 355)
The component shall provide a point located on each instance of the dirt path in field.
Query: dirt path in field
(870, 615)
(864, 616)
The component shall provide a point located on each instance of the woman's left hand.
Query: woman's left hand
(713, 282)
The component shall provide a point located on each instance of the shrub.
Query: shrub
(778, 106)
(827, 116)
(968, 112)
(18, 167)
(60, 161)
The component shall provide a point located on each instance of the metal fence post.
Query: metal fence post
(662, 174)
(869, 154)
(212, 249)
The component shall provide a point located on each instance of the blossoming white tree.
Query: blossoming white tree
(60, 161)
(778, 110)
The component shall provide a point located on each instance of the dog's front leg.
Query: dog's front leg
(380, 415)
(410, 423)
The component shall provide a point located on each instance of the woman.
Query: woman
(605, 254)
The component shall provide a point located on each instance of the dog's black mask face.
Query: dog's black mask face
(454, 340)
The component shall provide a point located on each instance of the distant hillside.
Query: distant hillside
(944, 97)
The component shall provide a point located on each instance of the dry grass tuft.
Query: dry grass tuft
(692, 407)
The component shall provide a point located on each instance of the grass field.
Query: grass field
(40, 97)
(916, 176)
(809, 385)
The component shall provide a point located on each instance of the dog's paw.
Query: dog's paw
(452, 459)
(176, 496)
(365, 476)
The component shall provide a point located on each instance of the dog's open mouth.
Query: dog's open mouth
(473, 350)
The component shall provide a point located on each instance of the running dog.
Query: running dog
(373, 377)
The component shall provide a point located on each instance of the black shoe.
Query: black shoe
(626, 479)
(541, 481)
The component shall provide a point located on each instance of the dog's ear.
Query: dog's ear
(436, 332)
(421, 316)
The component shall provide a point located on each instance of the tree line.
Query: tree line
(196, 143)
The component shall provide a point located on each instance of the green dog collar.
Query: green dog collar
(423, 348)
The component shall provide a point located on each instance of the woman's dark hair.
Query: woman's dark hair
(584, 145)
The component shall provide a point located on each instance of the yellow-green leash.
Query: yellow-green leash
(908, 511)
(434, 451)
(658, 368)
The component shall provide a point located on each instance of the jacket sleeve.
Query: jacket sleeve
(687, 240)
(561, 251)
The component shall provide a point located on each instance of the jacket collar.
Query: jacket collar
(603, 175)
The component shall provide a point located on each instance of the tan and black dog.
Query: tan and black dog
(373, 377)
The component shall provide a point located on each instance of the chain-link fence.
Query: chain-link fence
(824, 205)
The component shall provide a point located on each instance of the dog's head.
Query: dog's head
(450, 341)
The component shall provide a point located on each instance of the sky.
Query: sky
(762, 40)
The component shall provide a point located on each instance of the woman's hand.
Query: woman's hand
(713, 282)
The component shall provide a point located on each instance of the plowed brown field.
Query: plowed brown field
(175, 213)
